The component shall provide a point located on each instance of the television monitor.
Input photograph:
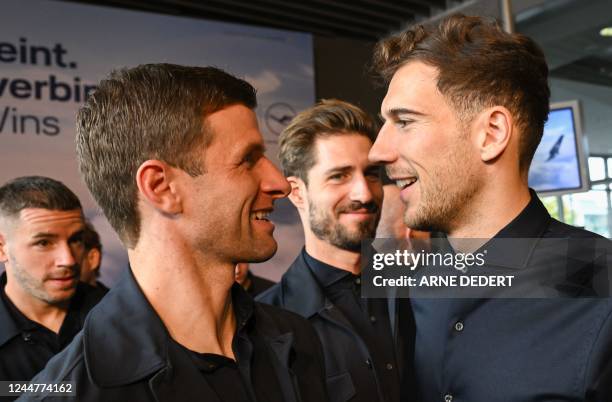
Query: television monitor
(559, 165)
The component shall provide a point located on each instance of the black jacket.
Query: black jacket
(23, 352)
(124, 354)
(345, 351)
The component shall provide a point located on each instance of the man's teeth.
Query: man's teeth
(260, 215)
(405, 182)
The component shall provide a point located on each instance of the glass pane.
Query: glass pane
(610, 168)
(588, 210)
(551, 205)
(597, 168)
(599, 187)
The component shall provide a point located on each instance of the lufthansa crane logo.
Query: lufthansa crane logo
(278, 116)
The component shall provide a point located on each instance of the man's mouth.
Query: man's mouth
(62, 279)
(403, 183)
(262, 215)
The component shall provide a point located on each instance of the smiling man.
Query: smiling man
(42, 303)
(464, 113)
(174, 157)
(338, 194)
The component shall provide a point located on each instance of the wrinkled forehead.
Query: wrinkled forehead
(47, 220)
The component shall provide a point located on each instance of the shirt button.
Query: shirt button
(372, 318)
(389, 366)
(448, 398)
(458, 328)
(27, 336)
(368, 363)
(358, 281)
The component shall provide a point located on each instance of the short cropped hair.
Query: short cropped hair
(36, 192)
(91, 238)
(479, 66)
(153, 111)
(327, 118)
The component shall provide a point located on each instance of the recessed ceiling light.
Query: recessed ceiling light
(607, 31)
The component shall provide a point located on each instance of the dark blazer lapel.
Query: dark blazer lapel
(281, 347)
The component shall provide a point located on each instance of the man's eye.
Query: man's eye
(249, 160)
(337, 176)
(373, 175)
(402, 123)
(42, 243)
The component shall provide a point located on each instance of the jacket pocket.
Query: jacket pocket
(340, 387)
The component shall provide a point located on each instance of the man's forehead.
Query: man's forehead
(412, 83)
(332, 150)
(42, 216)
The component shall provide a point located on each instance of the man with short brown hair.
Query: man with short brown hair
(42, 304)
(175, 159)
(338, 195)
(464, 113)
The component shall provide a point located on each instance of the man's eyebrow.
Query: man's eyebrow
(338, 169)
(44, 235)
(396, 111)
(254, 147)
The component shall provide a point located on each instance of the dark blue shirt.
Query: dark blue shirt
(516, 350)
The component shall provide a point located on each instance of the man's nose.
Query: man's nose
(273, 182)
(66, 255)
(384, 150)
(360, 189)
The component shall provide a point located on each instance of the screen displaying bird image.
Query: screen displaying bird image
(559, 163)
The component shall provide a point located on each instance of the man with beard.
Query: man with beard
(42, 303)
(464, 113)
(174, 157)
(338, 195)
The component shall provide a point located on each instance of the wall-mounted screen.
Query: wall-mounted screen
(559, 165)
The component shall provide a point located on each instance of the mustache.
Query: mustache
(64, 272)
(370, 207)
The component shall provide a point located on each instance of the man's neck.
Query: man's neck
(190, 292)
(490, 213)
(329, 254)
(48, 315)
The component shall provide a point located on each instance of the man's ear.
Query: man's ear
(3, 250)
(495, 129)
(156, 184)
(93, 258)
(298, 191)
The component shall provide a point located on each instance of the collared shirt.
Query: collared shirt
(224, 375)
(125, 353)
(25, 345)
(369, 318)
(527, 350)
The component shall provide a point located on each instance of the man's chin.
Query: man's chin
(263, 252)
(60, 298)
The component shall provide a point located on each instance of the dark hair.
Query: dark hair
(36, 192)
(153, 111)
(479, 65)
(328, 117)
(91, 238)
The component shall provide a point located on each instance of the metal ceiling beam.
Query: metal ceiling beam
(285, 20)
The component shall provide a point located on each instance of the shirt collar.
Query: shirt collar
(324, 273)
(125, 327)
(513, 245)
(8, 328)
